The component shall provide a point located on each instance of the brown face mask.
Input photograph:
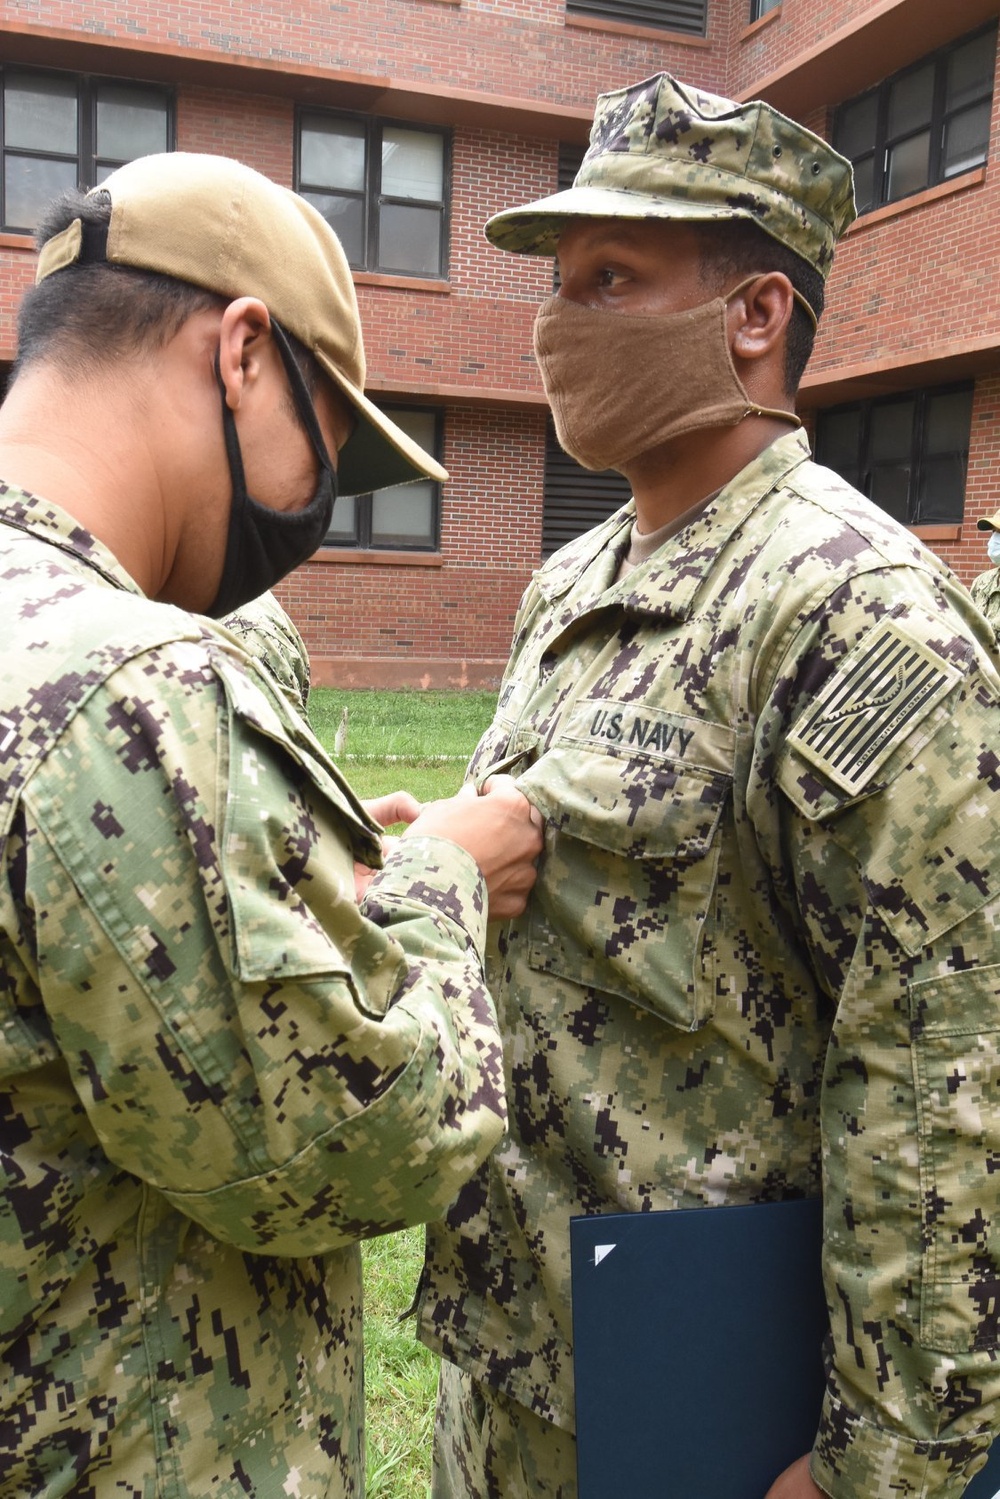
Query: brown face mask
(621, 384)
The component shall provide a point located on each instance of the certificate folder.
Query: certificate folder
(697, 1349)
(698, 1338)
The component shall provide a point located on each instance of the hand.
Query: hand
(397, 806)
(500, 829)
(795, 1483)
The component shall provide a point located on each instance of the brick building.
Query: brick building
(410, 121)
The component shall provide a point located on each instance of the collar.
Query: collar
(666, 583)
(29, 513)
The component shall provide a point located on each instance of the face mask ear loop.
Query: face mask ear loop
(799, 298)
(237, 479)
(233, 453)
(777, 412)
(304, 403)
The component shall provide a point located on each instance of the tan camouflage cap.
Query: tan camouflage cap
(664, 150)
(989, 522)
(220, 225)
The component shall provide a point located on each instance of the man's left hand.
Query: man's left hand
(397, 807)
(795, 1483)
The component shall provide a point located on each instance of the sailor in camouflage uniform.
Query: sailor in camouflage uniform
(985, 588)
(761, 957)
(218, 1071)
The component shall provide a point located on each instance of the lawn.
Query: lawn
(400, 1373)
(417, 741)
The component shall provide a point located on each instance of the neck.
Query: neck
(91, 460)
(669, 479)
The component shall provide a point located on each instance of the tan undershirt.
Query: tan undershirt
(642, 544)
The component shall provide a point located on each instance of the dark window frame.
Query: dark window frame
(371, 196)
(883, 142)
(866, 466)
(361, 540)
(689, 17)
(761, 8)
(86, 158)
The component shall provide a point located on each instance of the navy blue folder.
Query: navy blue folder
(697, 1338)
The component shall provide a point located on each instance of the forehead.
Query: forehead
(655, 238)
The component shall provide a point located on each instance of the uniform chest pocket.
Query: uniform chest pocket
(628, 878)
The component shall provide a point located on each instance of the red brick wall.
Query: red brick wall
(252, 127)
(17, 273)
(756, 51)
(521, 50)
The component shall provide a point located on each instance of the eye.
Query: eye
(607, 276)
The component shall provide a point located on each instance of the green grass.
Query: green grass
(400, 1373)
(418, 742)
(414, 726)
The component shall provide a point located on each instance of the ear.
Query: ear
(759, 315)
(245, 327)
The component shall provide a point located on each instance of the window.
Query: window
(907, 453)
(666, 15)
(403, 517)
(382, 187)
(61, 131)
(921, 126)
(575, 498)
(760, 8)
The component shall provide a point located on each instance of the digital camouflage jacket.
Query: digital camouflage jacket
(216, 1073)
(762, 957)
(985, 591)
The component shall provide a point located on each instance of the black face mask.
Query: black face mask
(266, 544)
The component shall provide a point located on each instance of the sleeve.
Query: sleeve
(289, 1071)
(878, 792)
(270, 637)
(985, 592)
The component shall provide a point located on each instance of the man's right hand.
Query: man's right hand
(500, 829)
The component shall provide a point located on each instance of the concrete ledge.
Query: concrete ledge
(406, 671)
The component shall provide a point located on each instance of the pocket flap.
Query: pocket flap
(627, 804)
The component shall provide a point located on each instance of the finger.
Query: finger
(499, 783)
(397, 806)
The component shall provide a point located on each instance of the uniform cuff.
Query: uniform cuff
(853, 1456)
(433, 873)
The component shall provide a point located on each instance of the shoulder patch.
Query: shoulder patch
(873, 702)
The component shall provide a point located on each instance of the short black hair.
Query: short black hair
(738, 248)
(90, 312)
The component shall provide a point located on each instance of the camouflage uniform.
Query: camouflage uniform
(209, 1053)
(985, 592)
(269, 634)
(761, 958)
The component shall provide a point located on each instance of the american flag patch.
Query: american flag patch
(888, 683)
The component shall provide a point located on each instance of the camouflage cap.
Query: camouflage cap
(664, 150)
(989, 522)
(220, 225)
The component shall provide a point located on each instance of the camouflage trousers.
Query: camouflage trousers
(486, 1446)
